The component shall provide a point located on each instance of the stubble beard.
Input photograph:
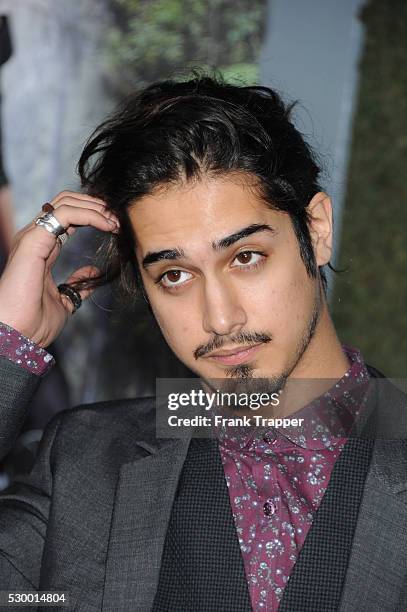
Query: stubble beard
(241, 379)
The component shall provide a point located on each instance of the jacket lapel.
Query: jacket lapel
(376, 576)
(143, 502)
(315, 583)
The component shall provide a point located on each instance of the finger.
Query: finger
(94, 204)
(84, 273)
(68, 201)
(77, 196)
(55, 245)
(74, 215)
(38, 242)
(53, 256)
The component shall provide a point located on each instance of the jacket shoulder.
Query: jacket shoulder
(137, 411)
(102, 431)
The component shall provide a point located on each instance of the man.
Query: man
(212, 202)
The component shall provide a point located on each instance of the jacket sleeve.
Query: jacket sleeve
(24, 505)
(17, 386)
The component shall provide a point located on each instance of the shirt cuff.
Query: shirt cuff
(23, 351)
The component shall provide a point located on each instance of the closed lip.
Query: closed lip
(236, 355)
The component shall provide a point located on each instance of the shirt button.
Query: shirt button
(269, 437)
(269, 508)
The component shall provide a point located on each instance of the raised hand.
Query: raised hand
(29, 297)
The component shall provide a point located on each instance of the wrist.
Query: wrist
(11, 325)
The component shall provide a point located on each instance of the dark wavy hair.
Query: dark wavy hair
(177, 131)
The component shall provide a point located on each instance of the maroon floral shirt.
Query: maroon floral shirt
(276, 482)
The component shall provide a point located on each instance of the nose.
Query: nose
(223, 313)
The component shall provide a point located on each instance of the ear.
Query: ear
(321, 227)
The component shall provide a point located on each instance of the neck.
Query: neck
(320, 367)
(324, 356)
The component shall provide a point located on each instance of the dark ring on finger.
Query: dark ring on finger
(72, 294)
(47, 207)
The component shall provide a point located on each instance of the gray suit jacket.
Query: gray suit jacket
(92, 517)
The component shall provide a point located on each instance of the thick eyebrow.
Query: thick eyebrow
(227, 241)
(154, 256)
(174, 254)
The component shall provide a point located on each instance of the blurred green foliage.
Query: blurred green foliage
(150, 39)
(370, 300)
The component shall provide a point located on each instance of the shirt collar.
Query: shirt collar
(328, 419)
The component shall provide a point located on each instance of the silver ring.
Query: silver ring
(63, 238)
(51, 224)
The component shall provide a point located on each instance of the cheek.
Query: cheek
(297, 306)
(178, 330)
(283, 304)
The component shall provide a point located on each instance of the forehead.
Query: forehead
(199, 213)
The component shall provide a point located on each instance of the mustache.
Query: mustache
(241, 338)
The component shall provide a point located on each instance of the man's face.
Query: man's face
(225, 279)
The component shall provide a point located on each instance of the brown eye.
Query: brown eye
(248, 259)
(174, 278)
(173, 275)
(244, 257)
